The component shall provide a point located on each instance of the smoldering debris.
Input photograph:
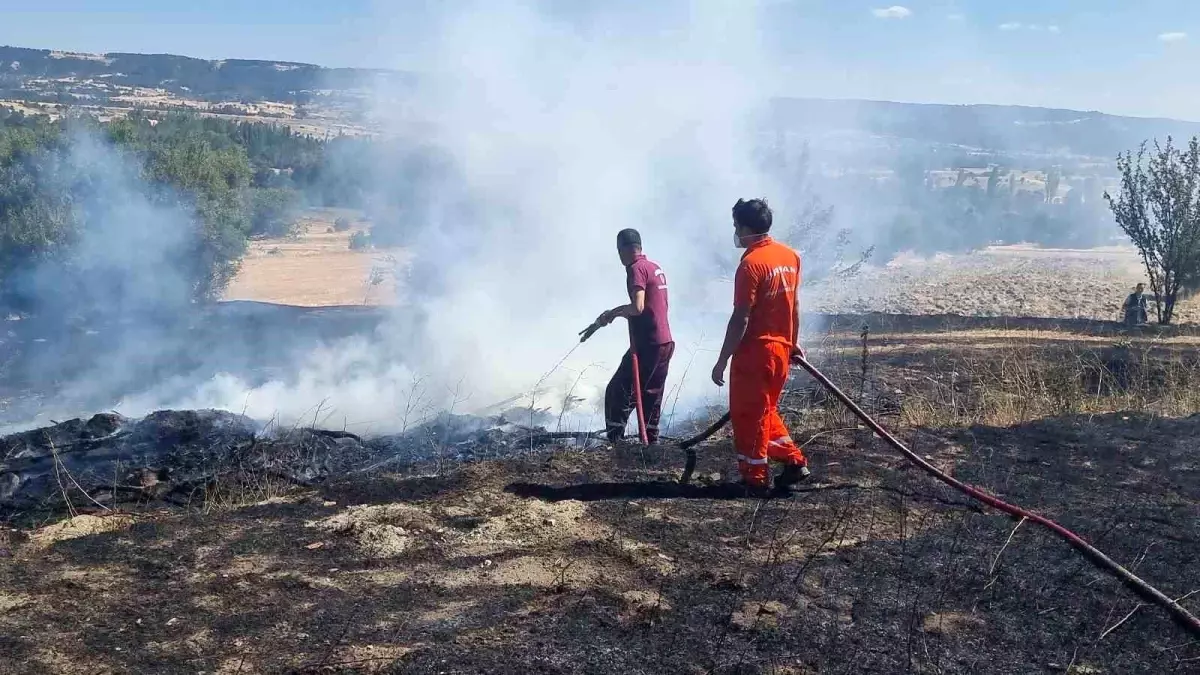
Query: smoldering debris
(183, 456)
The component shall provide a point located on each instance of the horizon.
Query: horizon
(69, 52)
(1098, 56)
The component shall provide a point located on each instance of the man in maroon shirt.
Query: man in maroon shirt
(649, 334)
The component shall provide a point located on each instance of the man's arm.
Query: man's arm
(635, 307)
(735, 330)
(796, 350)
(745, 292)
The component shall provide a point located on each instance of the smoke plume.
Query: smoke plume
(564, 128)
(552, 130)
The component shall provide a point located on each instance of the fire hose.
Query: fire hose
(1178, 613)
(637, 380)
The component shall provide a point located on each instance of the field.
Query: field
(1013, 281)
(317, 268)
(571, 561)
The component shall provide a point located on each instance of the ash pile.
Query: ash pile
(178, 456)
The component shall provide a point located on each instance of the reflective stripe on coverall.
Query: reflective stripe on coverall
(767, 282)
(757, 375)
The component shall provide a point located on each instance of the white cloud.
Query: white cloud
(1012, 26)
(955, 17)
(893, 12)
(1172, 37)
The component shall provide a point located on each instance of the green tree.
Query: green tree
(273, 211)
(1053, 178)
(993, 184)
(209, 183)
(1159, 209)
(828, 251)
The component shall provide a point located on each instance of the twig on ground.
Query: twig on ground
(1134, 611)
(1008, 541)
(57, 464)
(1118, 624)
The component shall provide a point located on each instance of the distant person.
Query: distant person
(649, 334)
(1134, 308)
(761, 338)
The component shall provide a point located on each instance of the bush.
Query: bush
(88, 218)
(341, 224)
(359, 241)
(273, 211)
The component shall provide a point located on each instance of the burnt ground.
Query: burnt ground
(595, 562)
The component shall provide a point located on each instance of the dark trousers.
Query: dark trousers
(619, 403)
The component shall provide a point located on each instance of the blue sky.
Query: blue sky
(1118, 56)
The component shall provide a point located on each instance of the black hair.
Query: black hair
(753, 214)
(629, 238)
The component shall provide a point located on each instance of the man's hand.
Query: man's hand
(606, 317)
(718, 372)
(798, 353)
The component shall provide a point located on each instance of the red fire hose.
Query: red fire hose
(643, 434)
(1178, 613)
(637, 394)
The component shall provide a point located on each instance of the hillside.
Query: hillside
(23, 73)
(844, 126)
(1002, 129)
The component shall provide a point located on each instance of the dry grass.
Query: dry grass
(1006, 378)
(1008, 281)
(316, 268)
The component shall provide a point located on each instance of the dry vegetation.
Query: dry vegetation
(317, 268)
(570, 562)
(1012, 281)
(955, 372)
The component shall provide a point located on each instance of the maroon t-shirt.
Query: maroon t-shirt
(651, 327)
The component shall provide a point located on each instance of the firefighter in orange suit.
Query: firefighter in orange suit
(762, 336)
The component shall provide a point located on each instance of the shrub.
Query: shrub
(359, 241)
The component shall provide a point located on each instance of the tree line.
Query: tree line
(226, 182)
(61, 183)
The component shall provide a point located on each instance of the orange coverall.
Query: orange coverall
(767, 282)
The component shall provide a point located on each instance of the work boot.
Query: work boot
(792, 475)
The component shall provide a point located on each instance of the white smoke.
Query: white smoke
(566, 127)
(563, 128)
